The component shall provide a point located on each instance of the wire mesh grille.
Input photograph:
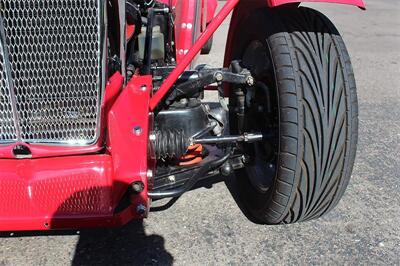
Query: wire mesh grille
(7, 123)
(54, 51)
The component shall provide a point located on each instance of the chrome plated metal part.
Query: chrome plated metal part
(52, 71)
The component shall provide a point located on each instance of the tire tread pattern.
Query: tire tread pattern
(318, 114)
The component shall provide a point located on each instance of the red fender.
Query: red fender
(245, 8)
(359, 3)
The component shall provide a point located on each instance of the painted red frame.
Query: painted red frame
(80, 191)
(84, 191)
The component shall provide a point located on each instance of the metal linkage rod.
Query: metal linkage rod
(246, 137)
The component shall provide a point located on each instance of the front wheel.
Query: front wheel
(305, 102)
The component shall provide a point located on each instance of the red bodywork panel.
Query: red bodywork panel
(42, 193)
(191, 19)
(359, 3)
(83, 191)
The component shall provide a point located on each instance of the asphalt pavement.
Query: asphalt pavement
(206, 227)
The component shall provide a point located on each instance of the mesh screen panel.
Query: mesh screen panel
(54, 54)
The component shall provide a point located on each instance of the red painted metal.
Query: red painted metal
(211, 6)
(359, 3)
(130, 30)
(113, 87)
(193, 51)
(211, 9)
(35, 192)
(186, 21)
(41, 151)
(245, 8)
(128, 133)
(82, 191)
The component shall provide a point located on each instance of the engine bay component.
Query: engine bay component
(157, 47)
(175, 126)
(197, 174)
(194, 155)
(170, 144)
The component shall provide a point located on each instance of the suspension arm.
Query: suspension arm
(205, 78)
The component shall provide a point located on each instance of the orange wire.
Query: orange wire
(193, 155)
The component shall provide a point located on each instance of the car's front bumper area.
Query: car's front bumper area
(63, 193)
(84, 191)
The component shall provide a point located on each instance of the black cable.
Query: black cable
(146, 68)
(173, 193)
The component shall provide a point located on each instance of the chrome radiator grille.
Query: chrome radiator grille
(51, 71)
(7, 128)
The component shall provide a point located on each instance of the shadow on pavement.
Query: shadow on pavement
(128, 245)
(125, 246)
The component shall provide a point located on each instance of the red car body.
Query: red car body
(81, 187)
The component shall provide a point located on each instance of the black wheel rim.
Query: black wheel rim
(261, 116)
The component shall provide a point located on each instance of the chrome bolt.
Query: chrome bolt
(137, 130)
(137, 187)
(245, 159)
(152, 137)
(246, 137)
(143, 88)
(184, 101)
(219, 77)
(226, 169)
(149, 174)
(141, 209)
(171, 178)
(250, 81)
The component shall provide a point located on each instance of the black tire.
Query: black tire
(317, 112)
(208, 46)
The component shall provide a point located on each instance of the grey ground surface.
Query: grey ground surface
(205, 227)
